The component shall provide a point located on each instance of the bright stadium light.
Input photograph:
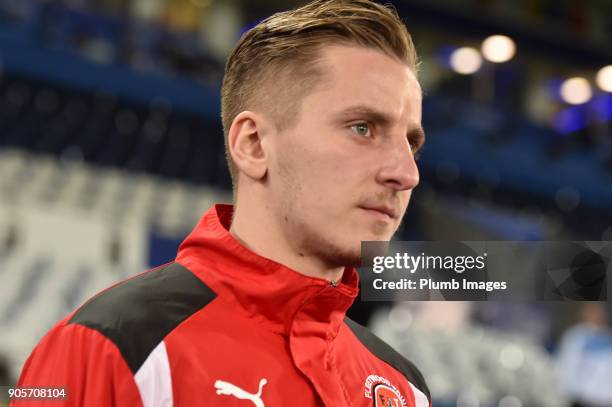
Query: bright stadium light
(498, 48)
(604, 78)
(465, 60)
(576, 91)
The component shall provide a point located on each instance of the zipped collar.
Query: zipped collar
(266, 290)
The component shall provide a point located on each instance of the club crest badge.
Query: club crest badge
(382, 392)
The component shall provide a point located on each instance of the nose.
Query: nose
(398, 169)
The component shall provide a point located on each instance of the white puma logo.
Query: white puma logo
(233, 390)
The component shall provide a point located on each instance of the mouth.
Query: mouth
(380, 212)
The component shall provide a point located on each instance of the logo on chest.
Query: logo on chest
(229, 389)
(382, 392)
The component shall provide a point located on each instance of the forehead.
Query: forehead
(355, 75)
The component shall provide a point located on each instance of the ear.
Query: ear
(246, 146)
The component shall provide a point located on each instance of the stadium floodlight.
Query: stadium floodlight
(465, 60)
(576, 91)
(498, 48)
(604, 78)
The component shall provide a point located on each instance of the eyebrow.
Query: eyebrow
(415, 134)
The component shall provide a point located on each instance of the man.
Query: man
(321, 111)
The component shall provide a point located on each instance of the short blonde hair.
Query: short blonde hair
(275, 64)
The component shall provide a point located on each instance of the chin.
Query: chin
(377, 231)
(378, 235)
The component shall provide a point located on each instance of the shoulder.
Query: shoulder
(84, 363)
(385, 352)
(136, 314)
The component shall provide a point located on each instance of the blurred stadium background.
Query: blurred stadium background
(111, 148)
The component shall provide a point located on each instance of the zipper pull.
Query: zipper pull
(333, 283)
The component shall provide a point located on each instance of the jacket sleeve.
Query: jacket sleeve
(84, 362)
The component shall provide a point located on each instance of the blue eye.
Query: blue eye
(361, 129)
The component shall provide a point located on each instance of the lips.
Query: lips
(384, 210)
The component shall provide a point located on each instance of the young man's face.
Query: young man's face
(345, 171)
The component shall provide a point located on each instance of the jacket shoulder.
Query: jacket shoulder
(83, 363)
(136, 314)
(385, 352)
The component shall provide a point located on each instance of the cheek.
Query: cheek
(324, 174)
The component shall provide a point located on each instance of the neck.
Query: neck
(255, 228)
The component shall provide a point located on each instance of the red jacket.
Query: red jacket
(221, 326)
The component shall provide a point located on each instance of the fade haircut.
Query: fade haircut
(276, 63)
